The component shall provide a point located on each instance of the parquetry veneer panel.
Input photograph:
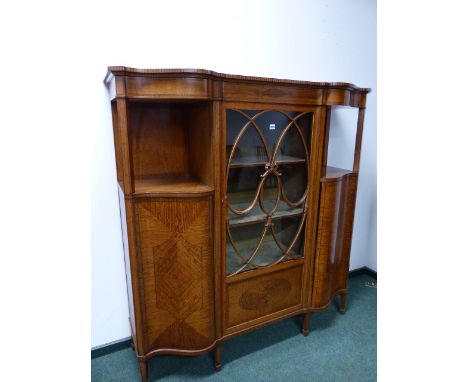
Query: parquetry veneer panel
(177, 272)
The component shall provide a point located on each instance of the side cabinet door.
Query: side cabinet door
(176, 266)
(334, 239)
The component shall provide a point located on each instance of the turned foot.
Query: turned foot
(305, 324)
(143, 370)
(217, 357)
(342, 308)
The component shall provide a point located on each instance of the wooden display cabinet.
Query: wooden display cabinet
(231, 218)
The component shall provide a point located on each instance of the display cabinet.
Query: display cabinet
(231, 218)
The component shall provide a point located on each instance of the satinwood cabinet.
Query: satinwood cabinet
(231, 217)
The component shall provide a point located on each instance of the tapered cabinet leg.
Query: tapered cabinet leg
(217, 357)
(143, 370)
(305, 324)
(342, 303)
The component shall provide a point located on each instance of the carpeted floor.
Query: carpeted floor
(338, 348)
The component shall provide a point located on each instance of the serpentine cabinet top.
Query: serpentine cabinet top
(201, 84)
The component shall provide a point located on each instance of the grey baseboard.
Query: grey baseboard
(111, 347)
(363, 271)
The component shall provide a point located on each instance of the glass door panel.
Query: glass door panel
(267, 157)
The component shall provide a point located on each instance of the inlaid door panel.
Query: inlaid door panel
(259, 296)
(175, 240)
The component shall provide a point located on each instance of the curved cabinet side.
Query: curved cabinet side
(337, 200)
(176, 257)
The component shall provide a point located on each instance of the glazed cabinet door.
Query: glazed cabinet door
(176, 255)
(267, 168)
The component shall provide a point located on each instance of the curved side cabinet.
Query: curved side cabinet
(175, 250)
(337, 200)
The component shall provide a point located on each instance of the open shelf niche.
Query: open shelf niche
(171, 147)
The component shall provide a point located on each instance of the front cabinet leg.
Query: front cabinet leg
(143, 370)
(217, 357)
(342, 303)
(305, 324)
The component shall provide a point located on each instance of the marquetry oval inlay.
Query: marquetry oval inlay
(267, 294)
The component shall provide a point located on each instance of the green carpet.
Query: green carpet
(338, 348)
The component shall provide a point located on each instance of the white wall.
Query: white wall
(304, 40)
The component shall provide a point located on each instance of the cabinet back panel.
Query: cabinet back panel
(158, 139)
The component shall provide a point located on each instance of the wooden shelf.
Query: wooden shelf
(254, 161)
(333, 173)
(172, 185)
(269, 253)
(260, 216)
(241, 200)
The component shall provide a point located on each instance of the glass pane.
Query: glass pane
(294, 180)
(244, 142)
(267, 173)
(269, 195)
(243, 185)
(295, 144)
(259, 245)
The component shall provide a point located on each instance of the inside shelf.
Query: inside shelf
(170, 184)
(335, 173)
(255, 161)
(242, 199)
(268, 254)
